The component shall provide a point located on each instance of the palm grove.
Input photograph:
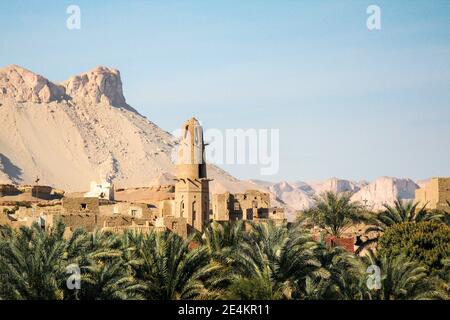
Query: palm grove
(234, 261)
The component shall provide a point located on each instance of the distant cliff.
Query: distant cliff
(300, 195)
(82, 129)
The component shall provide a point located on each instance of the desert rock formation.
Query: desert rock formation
(81, 130)
(101, 85)
(386, 190)
(301, 195)
(22, 85)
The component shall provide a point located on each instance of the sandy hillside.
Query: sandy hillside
(81, 130)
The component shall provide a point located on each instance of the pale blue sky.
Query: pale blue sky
(349, 102)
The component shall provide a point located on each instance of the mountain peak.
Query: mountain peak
(11, 67)
(23, 85)
(98, 85)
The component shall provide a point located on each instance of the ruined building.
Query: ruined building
(29, 192)
(8, 190)
(435, 194)
(103, 190)
(192, 186)
(252, 205)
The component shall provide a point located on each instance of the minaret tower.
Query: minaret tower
(192, 186)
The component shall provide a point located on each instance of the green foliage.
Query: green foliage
(253, 288)
(220, 238)
(401, 211)
(426, 241)
(277, 257)
(343, 278)
(404, 211)
(10, 211)
(33, 261)
(170, 270)
(402, 278)
(26, 204)
(264, 261)
(106, 272)
(334, 212)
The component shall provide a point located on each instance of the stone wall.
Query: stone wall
(250, 205)
(40, 192)
(136, 210)
(166, 208)
(444, 193)
(434, 194)
(133, 227)
(8, 190)
(221, 204)
(81, 205)
(347, 243)
(72, 221)
(108, 221)
(177, 225)
(275, 213)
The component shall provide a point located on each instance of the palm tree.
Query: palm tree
(277, 259)
(404, 279)
(444, 275)
(343, 277)
(109, 280)
(259, 287)
(221, 236)
(33, 262)
(170, 270)
(335, 213)
(33, 265)
(107, 273)
(404, 211)
(401, 211)
(268, 262)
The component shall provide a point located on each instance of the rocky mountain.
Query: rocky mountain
(301, 195)
(292, 195)
(336, 185)
(82, 129)
(385, 190)
(22, 86)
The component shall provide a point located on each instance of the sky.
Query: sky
(348, 102)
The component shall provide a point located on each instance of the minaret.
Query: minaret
(192, 187)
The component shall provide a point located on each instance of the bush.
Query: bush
(10, 210)
(427, 242)
(26, 204)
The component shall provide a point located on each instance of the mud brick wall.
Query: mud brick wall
(8, 190)
(177, 225)
(81, 205)
(73, 221)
